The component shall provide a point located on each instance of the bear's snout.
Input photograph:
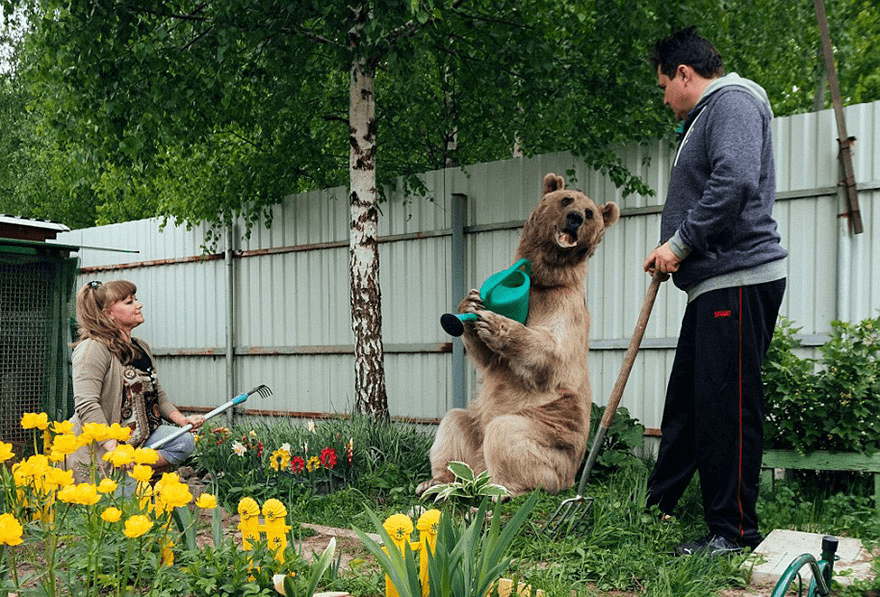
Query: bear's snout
(574, 220)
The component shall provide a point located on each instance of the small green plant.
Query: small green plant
(467, 488)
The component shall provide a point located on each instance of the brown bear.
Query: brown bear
(528, 425)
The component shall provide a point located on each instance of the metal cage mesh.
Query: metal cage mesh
(24, 332)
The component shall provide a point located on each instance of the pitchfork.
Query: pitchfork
(262, 389)
(572, 510)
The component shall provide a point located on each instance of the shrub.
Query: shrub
(829, 403)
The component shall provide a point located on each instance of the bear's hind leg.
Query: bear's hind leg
(458, 438)
(522, 458)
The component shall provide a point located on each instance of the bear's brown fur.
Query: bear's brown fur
(529, 424)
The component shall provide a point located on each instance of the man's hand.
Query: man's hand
(662, 260)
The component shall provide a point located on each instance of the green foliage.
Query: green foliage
(829, 403)
(354, 452)
(624, 436)
(469, 557)
(466, 489)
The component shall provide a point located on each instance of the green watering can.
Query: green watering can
(505, 292)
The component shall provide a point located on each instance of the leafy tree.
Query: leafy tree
(208, 110)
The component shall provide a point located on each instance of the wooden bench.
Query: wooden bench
(823, 461)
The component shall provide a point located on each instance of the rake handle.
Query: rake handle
(617, 392)
(223, 407)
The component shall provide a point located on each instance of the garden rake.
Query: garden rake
(571, 511)
(262, 389)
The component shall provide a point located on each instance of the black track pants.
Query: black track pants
(714, 412)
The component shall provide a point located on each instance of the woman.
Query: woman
(115, 381)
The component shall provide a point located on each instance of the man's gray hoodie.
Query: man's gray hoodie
(718, 212)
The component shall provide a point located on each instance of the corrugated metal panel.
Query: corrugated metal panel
(291, 295)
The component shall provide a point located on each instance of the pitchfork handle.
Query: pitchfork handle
(617, 392)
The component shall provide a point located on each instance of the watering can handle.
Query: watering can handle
(523, 263)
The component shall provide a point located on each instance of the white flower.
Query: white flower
(286, 447)
(310, 426)
(238, 448)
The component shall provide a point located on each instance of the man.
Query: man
(720, 244)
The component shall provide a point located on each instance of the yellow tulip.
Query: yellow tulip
(118, 432)
(63, 427)
(107, 486)
(121, 455)
(94, 432)
(6, 452)
(35, 421)
(146, 456)
(10, 530)
(206, 501)
(137, 525)
(142, 473)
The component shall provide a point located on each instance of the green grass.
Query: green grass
(620, 548)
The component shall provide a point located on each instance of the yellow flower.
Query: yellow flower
(280, 459)
(142, 473)
(121, 455)
(35, 421)
(146, 456)
(94, 432)
(84, 494)
(111, 514)
(137, 525)
(63, 427)
(167, 554)
(6, 452)
(119, 433)
(174, 495)
(107, 486)
(206, 501)
(10, 530)
(65, 444)
(399, 527)
(56, 477)
(313, 464)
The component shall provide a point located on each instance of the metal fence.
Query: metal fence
(274, 307)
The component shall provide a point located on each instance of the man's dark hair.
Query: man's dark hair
(686, 47)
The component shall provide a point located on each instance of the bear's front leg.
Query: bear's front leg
(477, 350)
(528, 352)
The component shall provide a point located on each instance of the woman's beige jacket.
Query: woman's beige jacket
(97, 397)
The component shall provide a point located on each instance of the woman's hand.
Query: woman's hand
(194, 420)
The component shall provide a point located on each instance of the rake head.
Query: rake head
(262, 389)
(569, 515)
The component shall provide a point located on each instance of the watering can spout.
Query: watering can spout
(505, 292)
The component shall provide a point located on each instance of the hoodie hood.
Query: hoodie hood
(734, 80)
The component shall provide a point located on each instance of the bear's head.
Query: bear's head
(563, 232)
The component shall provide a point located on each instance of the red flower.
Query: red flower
(297, 464)
(328, 457)
(260, 450)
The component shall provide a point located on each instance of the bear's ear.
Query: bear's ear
(610, 213)
(553, 182)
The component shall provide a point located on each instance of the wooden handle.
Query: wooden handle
(631, 352)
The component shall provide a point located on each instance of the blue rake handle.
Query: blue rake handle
(262, 390)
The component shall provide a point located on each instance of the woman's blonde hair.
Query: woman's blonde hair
(93, 322)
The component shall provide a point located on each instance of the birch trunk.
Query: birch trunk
(366, 297)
